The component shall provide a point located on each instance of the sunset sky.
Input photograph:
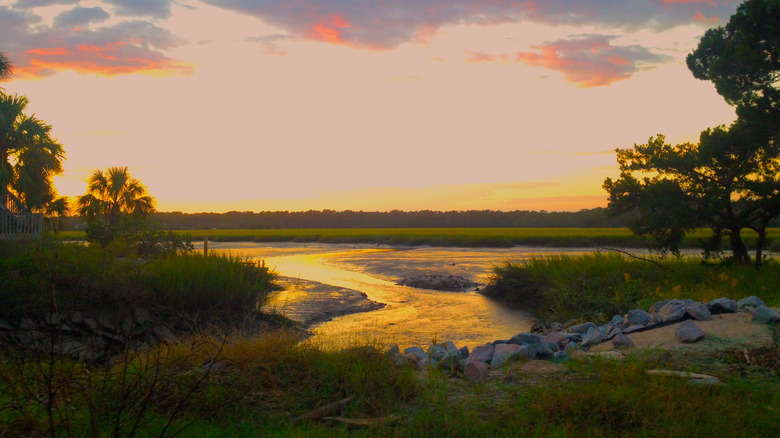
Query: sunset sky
(220, 105)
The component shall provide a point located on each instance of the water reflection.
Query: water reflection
(411, 316)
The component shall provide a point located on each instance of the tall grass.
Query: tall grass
(41, 277)
(196, 283)
(599, 285)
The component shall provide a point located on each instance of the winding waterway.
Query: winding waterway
(410, 316)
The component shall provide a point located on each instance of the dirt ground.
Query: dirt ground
(724, 331)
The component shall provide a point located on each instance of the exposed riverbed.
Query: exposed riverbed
(322, 281)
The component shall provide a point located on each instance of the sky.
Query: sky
(374, 105)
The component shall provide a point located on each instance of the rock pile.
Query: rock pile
(89, 335)
(450, 283)
(559, 345)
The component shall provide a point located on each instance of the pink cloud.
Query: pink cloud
(591, 60)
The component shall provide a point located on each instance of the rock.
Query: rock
(592, 337)
(464, 352)
(393, 350)
(633, 328)
(622, 341)
(654, 319)
(483, 353)
(76, 318)
(560, 356)
(657, 306)
(450, 347)
(688, 332)
(451, 283)
(765, 315)
(525, 338)
(406, 360)
(423, 362)
(637, 317)
(698, 311)
(673, 310)
(541, 350)
(502, 354)
(749, 302)
(581, 328)
(722, 305)
(555, 339)
(52, 319)
(417, 351)
(570, 347)
(617, 321)
(613, 331)
(476, 371)
(436, 353)
(4, 326)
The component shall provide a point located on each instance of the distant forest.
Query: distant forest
(592, 218)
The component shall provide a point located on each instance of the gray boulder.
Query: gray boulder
(637, 317)
(633, 328)
(622, 341)
(464, 352)
(581, 328)
(698, 311)
(722, 305)
(483, 353)
(476, 371)
(765, 315)
(673, 310)
(502, 354)
(554, 339)
(688, 332)
(749, 302)
(525, 338)
(436, 352)
(592, 337)
(417, 351)
(657, 306)
(393, 350)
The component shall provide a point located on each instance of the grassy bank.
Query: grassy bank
(452, 237)
(600, 285)
(38, 277)
(267, 386)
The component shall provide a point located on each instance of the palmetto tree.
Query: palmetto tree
(29, 155)
(112, 194)
(5, 67)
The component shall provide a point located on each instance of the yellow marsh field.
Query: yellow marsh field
(442, 236)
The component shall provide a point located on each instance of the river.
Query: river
(410, 316)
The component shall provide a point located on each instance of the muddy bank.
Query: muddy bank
(310, 302)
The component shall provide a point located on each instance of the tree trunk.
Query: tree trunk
(738, 248)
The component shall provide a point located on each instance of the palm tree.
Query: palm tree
(5, 67)
(29, 155)
(112, 194)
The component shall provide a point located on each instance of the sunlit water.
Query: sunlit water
(411, 316)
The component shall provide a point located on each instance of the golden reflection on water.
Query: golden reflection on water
(411, 316)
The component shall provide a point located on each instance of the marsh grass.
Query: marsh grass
(196, 283)
(456, 237)
(599, 285)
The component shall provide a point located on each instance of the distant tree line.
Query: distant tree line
(589, 218)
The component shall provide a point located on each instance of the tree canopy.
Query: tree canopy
(729, 181)
(29, 155)
(113, 194)
(5, 67)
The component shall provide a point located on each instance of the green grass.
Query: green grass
(38, 276)
(597, 286)
(266, 383)
(453, 237)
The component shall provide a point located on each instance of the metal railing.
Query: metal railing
(20, 225)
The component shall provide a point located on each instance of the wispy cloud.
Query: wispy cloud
(591, 60)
